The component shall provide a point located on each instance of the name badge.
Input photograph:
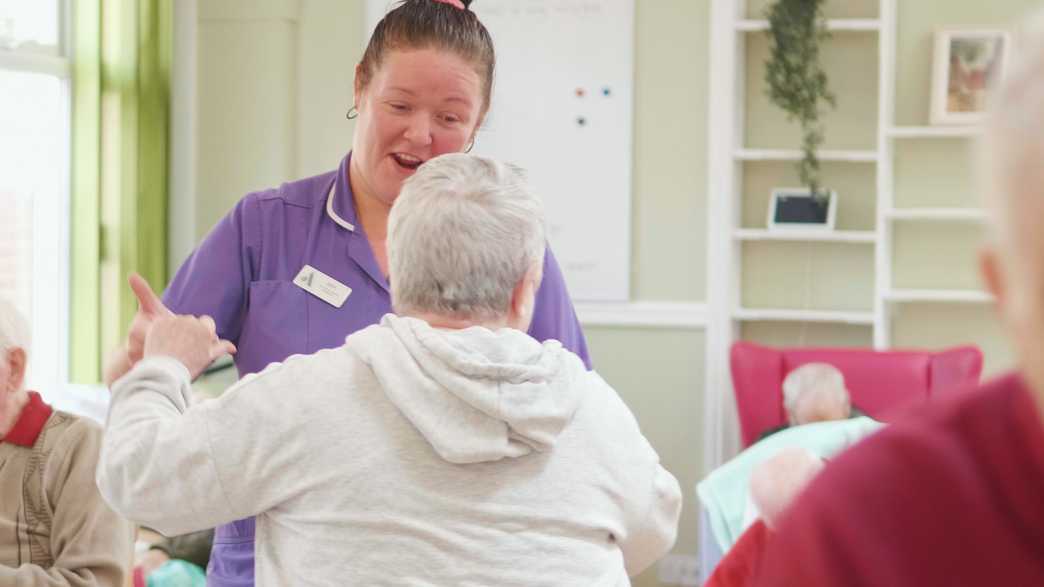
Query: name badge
(322, 286)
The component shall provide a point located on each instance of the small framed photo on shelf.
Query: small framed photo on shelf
(797, 209)
(968, 63)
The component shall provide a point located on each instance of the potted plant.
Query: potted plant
(796, 81)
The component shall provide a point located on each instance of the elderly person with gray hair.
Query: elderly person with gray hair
(55, 529)
(814, 392)
(442, 446)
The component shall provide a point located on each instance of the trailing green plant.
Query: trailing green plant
(796, 80)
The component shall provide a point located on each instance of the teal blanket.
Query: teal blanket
(177, 573)
(724, 492)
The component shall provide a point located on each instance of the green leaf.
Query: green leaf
(795, 78)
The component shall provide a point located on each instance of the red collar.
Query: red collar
(30, 422)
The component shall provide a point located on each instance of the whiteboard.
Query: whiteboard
(562, 109)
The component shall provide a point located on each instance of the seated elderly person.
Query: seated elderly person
(442, 446)
(815, 392)
(55, 529)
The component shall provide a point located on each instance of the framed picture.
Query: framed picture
(968, 64)
(796, 209)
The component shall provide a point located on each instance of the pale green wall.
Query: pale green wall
(798, 275)
(855, 180)
(808, 334)
(670, 150)
(246, 108)
(659, 373)
(847, 58)
(918, 20)
(940, 173)
(936, 325)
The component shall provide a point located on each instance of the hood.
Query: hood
(475, 394)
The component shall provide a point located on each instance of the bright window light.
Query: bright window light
(30, 26)
(34, 185)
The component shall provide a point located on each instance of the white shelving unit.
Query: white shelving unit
(952, 296)
(795, 155)
(933, 132)
(788, 315)
(840, 25)
(730, 30)
(936, 214)
(826, 236)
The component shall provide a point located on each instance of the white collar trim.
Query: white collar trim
(333, 215)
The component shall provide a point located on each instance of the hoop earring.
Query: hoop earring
(471, 146)
(352, 114)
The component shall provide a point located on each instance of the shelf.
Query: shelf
(842, 24)
(796, 155)
(832, 236)
(784, 315)
(933, 132)
(957, 296)
(938, 214)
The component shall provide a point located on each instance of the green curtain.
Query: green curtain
(120, 118)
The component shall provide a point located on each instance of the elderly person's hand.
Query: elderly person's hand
(150, 308)
(191, 340)
(775, 483)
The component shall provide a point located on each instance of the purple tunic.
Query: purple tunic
(242, 276)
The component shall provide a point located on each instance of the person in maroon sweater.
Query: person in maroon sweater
(952, 495)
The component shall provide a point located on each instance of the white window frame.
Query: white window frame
(49, 319)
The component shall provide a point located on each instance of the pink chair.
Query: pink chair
(880, 382)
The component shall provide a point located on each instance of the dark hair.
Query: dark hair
(422, 24)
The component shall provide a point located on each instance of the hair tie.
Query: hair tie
(454, 3)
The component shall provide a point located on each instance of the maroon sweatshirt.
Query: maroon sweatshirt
(951, 496)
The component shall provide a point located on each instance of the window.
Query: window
(34, 178)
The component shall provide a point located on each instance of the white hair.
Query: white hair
(14, 329)
(812, 380)
(462, 234)
(1013, 145)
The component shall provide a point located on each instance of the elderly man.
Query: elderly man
(55, 530)
(955, 495)
(443, 446)
(814, 392)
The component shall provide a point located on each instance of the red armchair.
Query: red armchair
(880, 382)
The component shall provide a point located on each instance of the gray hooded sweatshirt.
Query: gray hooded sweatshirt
(408, 456)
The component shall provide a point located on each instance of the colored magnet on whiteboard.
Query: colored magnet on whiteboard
(607, 91)
(581, 121)
(580, 93)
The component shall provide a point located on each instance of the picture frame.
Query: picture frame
(967, 64)
(797, 209)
